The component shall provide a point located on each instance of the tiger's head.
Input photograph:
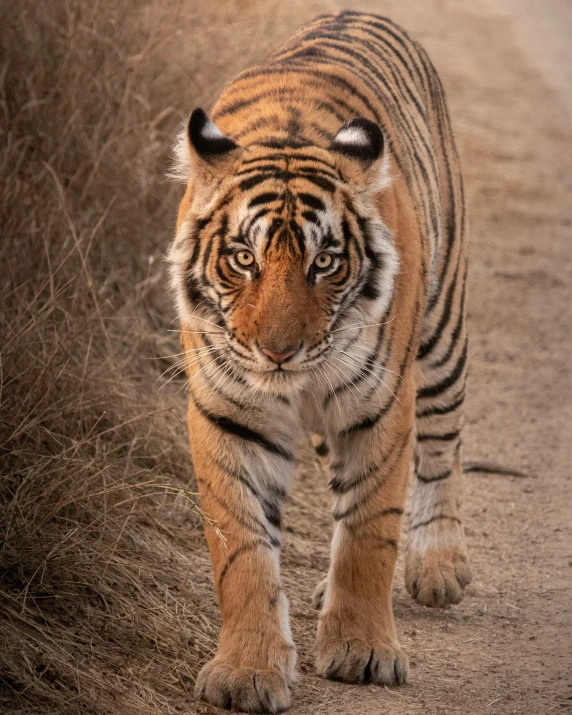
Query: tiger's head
(280, 248)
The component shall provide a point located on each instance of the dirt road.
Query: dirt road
(508, 647)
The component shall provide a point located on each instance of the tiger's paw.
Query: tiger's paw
(344, 651)
(245, 689)
(357, 661)
(437, 567)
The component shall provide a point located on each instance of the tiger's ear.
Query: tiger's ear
(359, 139)
(206, 139)
(362, 154)
(203, 152)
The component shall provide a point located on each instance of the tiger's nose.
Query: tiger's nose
(279, 358)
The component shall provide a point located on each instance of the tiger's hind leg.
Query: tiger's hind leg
(437, 567)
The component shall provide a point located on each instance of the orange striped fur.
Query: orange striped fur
(319, 271)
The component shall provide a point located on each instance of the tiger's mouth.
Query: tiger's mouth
(300, 363)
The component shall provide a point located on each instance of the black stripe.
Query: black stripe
(395, 511)
(235, 106)
(379, 484)
(352, 240)
(259, 123)
(322, 449)
(438, 410)
(245, 548)
(290, 156)
(305, 170)
(245, 229)
(427, 347)
(367, 423)
(285, 176)
(275, 226)
(342, 486)
(284, 143)
(207, 254)
(297, 235)
(297, 156)
(434, 518)
(263, 169)
(272, 514)
(244, 432)
(447, 437)
(311, 216)
(281, 398)
(247, 184)
(263, 158)
(319, 181)
(451, 379)
(324, 133)
(312, 201)
(193, 289)
(196, 251)
(369, 289)
(426, 479)
(455, 335)
(252, 524)
(264, 198)
(381, 541)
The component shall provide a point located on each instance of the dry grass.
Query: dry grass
(105, 597)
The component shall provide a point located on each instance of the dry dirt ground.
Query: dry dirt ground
(508, 647)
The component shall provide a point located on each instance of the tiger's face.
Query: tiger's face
(281, 255)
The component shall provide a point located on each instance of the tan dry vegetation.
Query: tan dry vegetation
(106, 603)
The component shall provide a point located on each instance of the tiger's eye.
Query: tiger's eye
(323, 260)
(244, 258)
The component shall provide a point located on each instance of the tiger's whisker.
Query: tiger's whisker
(364, 325)
(360, 364)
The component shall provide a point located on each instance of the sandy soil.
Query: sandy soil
(508, 647)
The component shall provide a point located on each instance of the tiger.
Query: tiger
(319, 268)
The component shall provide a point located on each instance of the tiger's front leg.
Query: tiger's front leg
(242, 484)
(357, 639)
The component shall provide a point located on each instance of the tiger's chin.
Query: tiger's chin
(279, 381)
